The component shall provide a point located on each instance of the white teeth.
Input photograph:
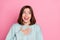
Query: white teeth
(26, 18)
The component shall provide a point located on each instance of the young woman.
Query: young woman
(26, 27)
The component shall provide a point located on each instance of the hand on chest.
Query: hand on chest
(26, 31)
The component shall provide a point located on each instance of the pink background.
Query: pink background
(47, 13)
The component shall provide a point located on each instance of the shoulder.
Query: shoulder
(15, 25)
(37, 26)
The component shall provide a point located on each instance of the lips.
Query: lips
(26, 18)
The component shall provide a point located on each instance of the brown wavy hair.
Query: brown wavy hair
(32, 20)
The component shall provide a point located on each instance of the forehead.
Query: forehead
(26, 9)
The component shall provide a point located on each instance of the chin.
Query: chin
(26, 21)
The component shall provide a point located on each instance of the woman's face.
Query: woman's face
(26, 16)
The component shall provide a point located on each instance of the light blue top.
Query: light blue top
(15, 33)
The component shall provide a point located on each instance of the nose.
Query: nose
(26, 14)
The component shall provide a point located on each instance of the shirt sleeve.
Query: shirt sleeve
(11, 33)
(39, 35)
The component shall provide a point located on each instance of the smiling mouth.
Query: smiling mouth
(26, 18)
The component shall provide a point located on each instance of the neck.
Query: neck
(26, 23)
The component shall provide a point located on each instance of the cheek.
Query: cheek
(23, 15)
(30, 16)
